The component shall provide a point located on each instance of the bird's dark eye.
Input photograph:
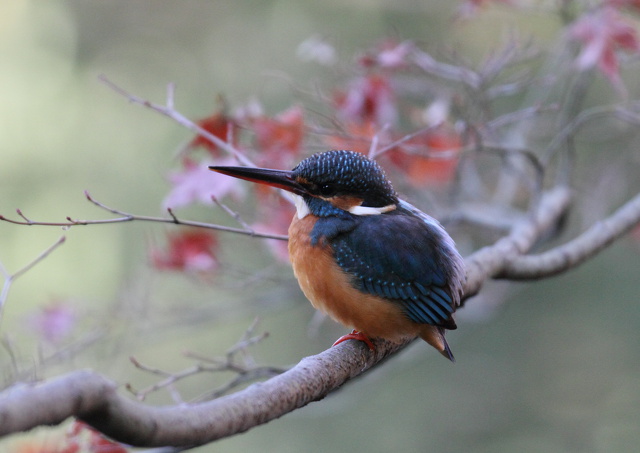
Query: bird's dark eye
(326, 190)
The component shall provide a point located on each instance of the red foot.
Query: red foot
(355, 335)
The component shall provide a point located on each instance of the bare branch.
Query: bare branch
(173, 216)
(490, 261)
(374, 152)
(235, 215)
(446, 71)
(168, 111)
(40, 257)
(251, 375)
(526, 154)
(519, 115)
(168, 379)
(578, 250)
(572, 127)
(245, 368)
(127, 217)
(10, 278)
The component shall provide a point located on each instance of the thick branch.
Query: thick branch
(577, 251)
(490, 261)
(93, 398)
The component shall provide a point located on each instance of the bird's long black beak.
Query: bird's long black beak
(281, 179)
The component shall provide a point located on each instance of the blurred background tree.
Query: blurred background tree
(555, 368)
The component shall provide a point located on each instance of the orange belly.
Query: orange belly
(329, 289)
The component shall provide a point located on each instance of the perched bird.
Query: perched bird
(369, 260)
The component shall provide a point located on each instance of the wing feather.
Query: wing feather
(405, 259)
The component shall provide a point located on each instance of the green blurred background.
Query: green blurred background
(556, 368)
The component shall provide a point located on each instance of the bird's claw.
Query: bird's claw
(356, 335)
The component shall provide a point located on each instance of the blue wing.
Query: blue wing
(403, 258)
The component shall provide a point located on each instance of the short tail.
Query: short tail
(435, 337)
(447, 350)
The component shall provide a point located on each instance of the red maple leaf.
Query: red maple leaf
(279, 138)
(370, 98)
(100, 444)
(602, 33)
(218, 124)
(187, 251)
(357, 137)
(82, 437)
(389, 54)
(429, 159)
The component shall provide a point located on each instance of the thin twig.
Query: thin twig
(375, 153)
(169, 111)
(572, 127)
(246, 372)
(10, 278)
(128, 217)
(241, 378)
(446, 71)
(170, 378)
(519, 115)
(235, 215)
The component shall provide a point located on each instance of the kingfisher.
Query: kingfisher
(368, 259)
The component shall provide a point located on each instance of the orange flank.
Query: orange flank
(330, 290)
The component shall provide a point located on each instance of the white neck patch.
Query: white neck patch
(367, 210)
(302, 210)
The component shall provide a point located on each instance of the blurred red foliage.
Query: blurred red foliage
(369, 98)
(279, 138)
(429, 159)
(195, 183)
(188, 250)
(218, 124)
(79, 438)
(601, 33)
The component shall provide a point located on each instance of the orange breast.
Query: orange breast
(330, 290)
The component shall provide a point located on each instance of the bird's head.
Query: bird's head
(327, 183)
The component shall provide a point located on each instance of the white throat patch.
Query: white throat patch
(302, 210)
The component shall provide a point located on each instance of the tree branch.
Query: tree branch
(490, 261)
(578, 250)
(127, 217)
(446, 71)
(94, 399)
(169, 111)
(10, 278)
